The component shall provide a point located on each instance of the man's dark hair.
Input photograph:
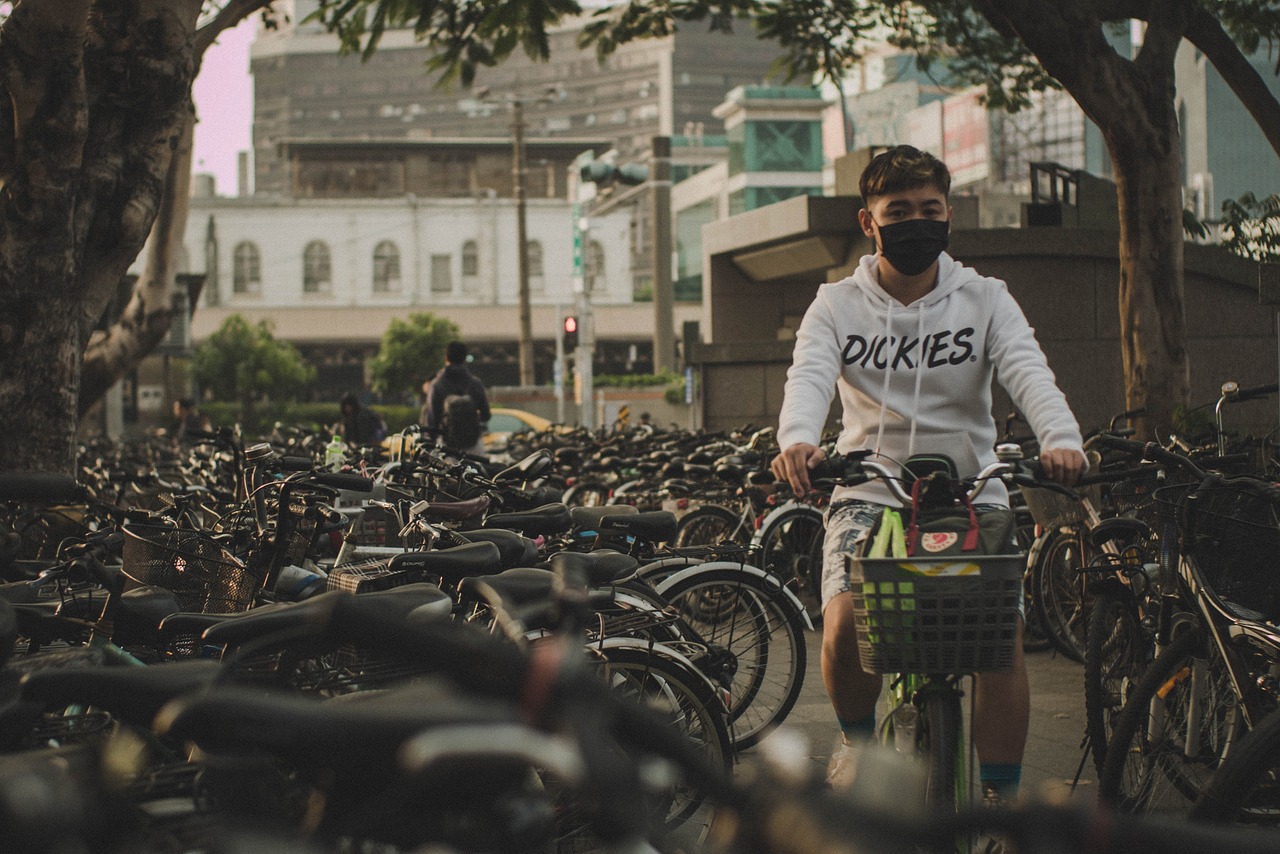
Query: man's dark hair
(455, 353)
(903, 167)
(349, 399)
(185, 402)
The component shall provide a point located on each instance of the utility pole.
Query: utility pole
(663, 289)
(522, 242)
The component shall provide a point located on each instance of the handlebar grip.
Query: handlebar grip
(343, 480)
(295, 463)
(1116, 443)
(1253, 393)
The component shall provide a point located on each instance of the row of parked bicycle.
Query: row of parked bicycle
(662, 570)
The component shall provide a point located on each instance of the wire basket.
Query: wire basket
(937, 615)
(1135, 495)
(1233, 535)
(200, 573)
(1052, 510)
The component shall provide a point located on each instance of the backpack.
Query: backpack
(460, 426)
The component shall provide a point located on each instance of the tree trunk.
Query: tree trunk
(146, 319)
(1153, 329)
(98, 95)
(1132, 102)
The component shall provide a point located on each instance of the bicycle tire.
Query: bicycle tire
(937, 740)
(1117, 651)
(763, 633)
(673, 688)
(1060, 599)
(1147, 749)
(707, 525)
(587, 494)
(1245, 788)
(791, 548)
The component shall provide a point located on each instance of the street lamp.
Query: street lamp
(518, 167)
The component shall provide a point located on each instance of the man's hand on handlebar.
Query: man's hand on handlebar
(794, 463)
(1062, 465)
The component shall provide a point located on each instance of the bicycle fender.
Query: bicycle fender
(649, 648)
(771, 518)
(771, 583)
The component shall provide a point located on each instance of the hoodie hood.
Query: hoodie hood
(917, 378)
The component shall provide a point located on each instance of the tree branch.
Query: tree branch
(1206, 33)
(230, 15)
(1166, 24)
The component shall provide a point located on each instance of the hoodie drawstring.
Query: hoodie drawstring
(888, 366)
(915, 401)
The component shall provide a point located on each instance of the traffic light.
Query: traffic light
(570, 333)
(601, 172)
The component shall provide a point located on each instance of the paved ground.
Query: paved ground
(1057, 723)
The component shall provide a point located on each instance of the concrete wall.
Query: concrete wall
(1064, 279)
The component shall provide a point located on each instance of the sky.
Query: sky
(223, 93)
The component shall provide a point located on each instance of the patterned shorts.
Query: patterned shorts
(848, 523)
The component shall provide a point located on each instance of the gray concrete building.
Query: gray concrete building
(670, 85)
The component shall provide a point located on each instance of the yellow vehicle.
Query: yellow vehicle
(504, 423)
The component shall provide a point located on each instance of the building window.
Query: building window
(537, 282)
(470, 259)
(386, 268)
(317, 269)
(247, 270)
(441, 274)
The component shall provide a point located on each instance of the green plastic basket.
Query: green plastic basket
(937, 615)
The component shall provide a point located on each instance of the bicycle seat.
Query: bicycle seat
(513, 587)
(545, 520)
(588, 518)
(1118, 528)
(655, 526)
(456, 511)
(601, 567)
(514, 549)
(132, 694)
(450, 565)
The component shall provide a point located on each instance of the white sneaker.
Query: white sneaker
(842, 769)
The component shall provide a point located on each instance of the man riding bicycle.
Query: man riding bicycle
(911, 341)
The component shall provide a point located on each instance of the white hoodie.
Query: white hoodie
(917, 378)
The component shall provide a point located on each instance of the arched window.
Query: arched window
(593, 265)
(537, 282)
(246, 276)
(470, 259)
(317, 269)
(386, 268)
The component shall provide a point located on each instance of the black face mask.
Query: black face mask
(912, 245)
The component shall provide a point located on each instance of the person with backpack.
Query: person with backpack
(457, 407)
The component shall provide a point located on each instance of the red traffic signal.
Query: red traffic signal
(570, 332)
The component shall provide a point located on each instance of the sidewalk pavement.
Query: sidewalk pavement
(1054, 744)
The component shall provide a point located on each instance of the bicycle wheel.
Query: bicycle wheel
(587, 493)
(937, 740)
(1157, 761)
(1060, 598)
(755, 645)
(1246, 787)
(708, 525)
(1117, 650)
(670, 687)
(791, 548)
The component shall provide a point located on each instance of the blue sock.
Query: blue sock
(1001, 778)
(862, 729)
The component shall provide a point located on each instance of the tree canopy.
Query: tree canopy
(243, 362)
(411, 352)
